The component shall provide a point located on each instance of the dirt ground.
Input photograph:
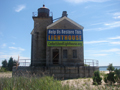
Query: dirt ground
(87, 84)
(5, 74)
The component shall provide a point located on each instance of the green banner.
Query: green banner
(64, 43)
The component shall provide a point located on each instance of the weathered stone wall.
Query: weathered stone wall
(56, 71)
(65, 24)
(38, 51)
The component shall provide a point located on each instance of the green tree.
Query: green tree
(96, 78)
(117, 73)
(110, 68)
(10, 63)
(110, 77)
(4, 63)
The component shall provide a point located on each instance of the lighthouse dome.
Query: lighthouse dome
(43, 12)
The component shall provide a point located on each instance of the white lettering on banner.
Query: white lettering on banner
(67, 32)
(52, 32)
(77, 32)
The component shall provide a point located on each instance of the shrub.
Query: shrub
(3, 69)
(117, 73)
(110, 78)
(96, 78)
(110, 68)
(105, 78)
(4, 63)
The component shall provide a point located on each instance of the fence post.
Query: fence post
(93, 63)
(25, 62)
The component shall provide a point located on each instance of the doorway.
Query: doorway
(55, 56)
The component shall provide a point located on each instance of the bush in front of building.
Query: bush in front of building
(117, 73)
(110, 78)
(96, 78)
(113, 75)
(110, 68)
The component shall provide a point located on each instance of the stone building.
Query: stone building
(56, 48)
(47, 55)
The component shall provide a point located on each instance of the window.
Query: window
(74, 53)
(64, 53)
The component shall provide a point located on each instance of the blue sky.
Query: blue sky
(100, 19)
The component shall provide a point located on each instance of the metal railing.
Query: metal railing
(87, 62)
(35, 14)
(91, 62)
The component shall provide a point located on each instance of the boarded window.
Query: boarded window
(64, 53)
(55, 56)
(74, 53)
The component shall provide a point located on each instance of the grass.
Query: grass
(3, 69)
(49, 83)
(25, 83)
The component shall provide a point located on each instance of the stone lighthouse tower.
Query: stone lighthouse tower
(38, 46)
(57, 48)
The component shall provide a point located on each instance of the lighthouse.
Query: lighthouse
(38, 42)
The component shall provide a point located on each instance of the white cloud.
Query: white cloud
(21, 49)
(19, 8)
(98, 29)
(96, 42)
(116, 15)
(15, 56)
(12, 48)
(17, 48)
(117, 43)
(111, 50)
(110, 40)
(100, 54)
(114, 24)
(83, 1)
(107, 52)
(93, 42)
(117, 37)
(106, 26)
(3, 45)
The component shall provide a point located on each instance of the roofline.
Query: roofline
(66, 19)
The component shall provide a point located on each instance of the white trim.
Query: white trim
(81, 27)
